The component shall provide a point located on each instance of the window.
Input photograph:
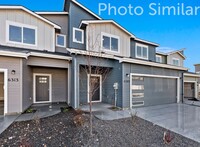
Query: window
(21, 33)
(138, 87)
(175, 62)
(60, 40)
(158, 59)
(78, 35)
(110, 42)
(138, 95)
(141, 51)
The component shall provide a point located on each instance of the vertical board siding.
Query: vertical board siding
(14, 87)
(76, 15)
(61, 20)
(94, 34)
(177, 56)
(27, 98)
(44, 31)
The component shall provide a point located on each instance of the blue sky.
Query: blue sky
(170, 31)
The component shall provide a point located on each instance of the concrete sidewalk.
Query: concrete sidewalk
(182, 119)
(43, 110)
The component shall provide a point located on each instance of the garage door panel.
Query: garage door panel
(157, 91)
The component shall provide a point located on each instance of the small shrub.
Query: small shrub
(30, 110)
(134, 117)
(79, 120)
(64, 109)
(167, 137)
(79, 112)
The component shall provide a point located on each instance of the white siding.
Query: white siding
(94, 37)
(14, 88)
(176, 56)
(45, 31)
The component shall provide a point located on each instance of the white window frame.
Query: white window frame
(8, 23)
(88, 87)
(176, 60)
(74, 39)
(111, 36)
(64, 40)
(158, 56)
(141, 45)
(5, 71)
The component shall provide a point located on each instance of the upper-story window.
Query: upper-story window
(141, 51)
(158, 59)
(78, 35)
(110, 42)
(60, 40)
(21, 34)
(176, 62)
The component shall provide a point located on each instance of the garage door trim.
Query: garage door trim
(195, 83)
(155, 76)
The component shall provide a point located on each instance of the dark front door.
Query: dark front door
(96, 88)
(189, 90)
(42, 89)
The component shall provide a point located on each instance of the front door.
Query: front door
(95, 88)
(42, 88)
(1, 94)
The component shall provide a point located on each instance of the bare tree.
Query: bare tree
(94, 60)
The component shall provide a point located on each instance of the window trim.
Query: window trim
(64, 40)
(111, 36)
(74, 39)
(141, 45)
(158, 56)
(21, 25)
(176, 60)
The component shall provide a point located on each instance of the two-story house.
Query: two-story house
(44, 56)
(32, 70)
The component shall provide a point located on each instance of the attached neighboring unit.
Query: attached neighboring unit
(45, 56)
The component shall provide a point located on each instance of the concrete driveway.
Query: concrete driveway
(180, 118)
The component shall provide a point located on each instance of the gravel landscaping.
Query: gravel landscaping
(60, 130)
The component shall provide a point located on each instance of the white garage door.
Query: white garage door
(149, 90)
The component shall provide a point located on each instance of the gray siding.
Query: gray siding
(59, 82)
(152, 50)
(139, 69)
(163, 58)
(76, 15)
(14, 88)
(47, 62)
(61, 20)
(197, 68)
(107, 87)
(27, 98)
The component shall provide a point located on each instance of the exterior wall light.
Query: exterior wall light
(13, 72)
(127, 75)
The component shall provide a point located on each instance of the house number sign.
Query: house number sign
(13, 80)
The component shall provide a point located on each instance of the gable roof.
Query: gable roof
(32, 13)
(119, 26)
(173, 52)
(86, 9)
(106, 21)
